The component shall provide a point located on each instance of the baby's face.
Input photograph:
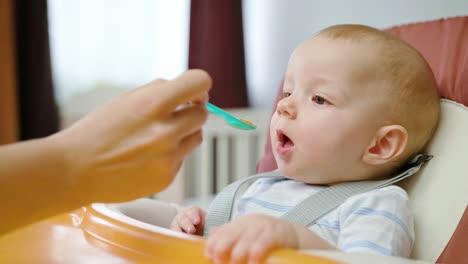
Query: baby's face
(328, 114)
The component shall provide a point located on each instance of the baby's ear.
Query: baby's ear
(388, 144)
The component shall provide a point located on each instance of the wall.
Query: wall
(273, 28)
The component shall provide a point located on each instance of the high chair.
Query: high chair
(135, 232)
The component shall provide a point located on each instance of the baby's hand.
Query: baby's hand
(249, 238)
(190, 220)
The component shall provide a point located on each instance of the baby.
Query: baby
(357, 104)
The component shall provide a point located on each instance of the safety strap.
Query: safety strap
(310, 209)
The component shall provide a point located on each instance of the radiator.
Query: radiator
(225, 155)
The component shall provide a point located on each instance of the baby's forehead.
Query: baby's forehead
(356, 51)
(358, 62)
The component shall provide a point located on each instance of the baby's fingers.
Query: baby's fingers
(175, 226)
(185, 224)
(218, 246)
(251, 247)
(194, 215)
(259, 250)
(240, 252)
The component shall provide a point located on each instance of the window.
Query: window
(115, 44)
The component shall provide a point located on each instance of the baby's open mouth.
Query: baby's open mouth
(284, 140)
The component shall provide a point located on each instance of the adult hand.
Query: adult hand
(129, 148)
(134, 145)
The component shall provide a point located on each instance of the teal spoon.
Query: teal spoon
(230, 119)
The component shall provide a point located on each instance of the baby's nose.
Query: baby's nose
(286, 108)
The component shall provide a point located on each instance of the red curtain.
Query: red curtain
(217, 46)
(38, 113)
(8, 112)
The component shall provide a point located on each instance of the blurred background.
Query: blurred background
(60, 59)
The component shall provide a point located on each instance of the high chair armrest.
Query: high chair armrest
(158, 213)
(361, 258)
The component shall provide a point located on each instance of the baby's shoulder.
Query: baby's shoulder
(385, 198)
(387, 191)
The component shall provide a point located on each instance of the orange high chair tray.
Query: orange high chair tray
(88, 235)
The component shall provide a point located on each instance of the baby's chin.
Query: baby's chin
(292, 174)
(296, 175)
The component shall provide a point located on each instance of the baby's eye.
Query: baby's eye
(285, 94)
(319, 100)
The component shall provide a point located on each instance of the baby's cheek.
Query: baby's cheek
(310, 153)
(273, 122)
(273, 130)
(314, 145)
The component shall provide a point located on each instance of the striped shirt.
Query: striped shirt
(378, 221)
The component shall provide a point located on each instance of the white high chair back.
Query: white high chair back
(438, 194)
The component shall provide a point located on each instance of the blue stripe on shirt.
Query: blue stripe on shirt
(285, 208)
(271, 206)
(369, 245)
(325, 223)
(388, 215)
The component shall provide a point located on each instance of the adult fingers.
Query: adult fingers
(189, 86)
(157, 82)
(188, 144)
(189, 120)
(202, 99)
(163, 97)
